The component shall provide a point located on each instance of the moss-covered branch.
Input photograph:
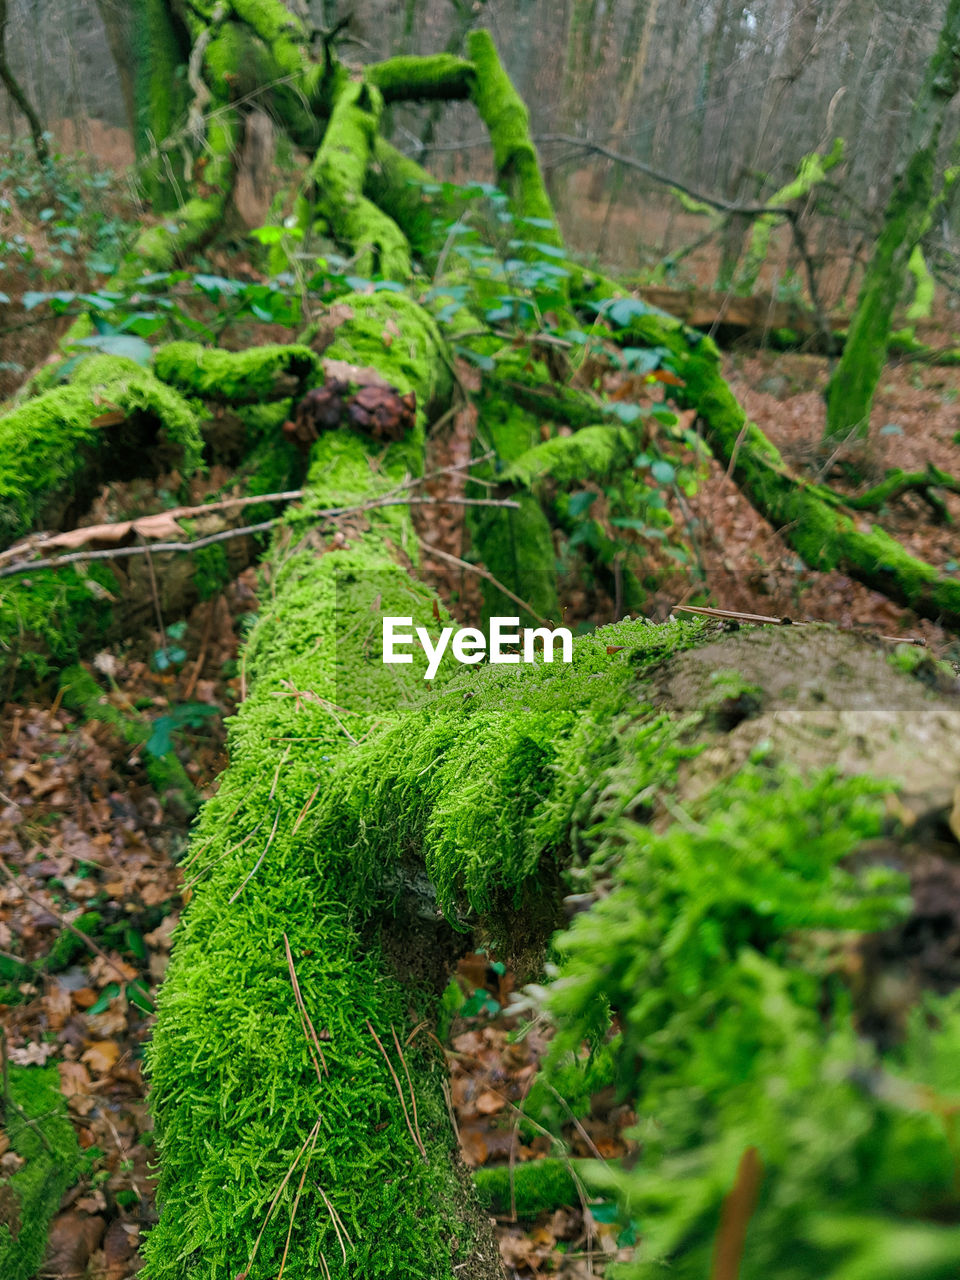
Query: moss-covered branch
(335, 179)
(441, 77)
(112, 419)
(502, 110)
(270, 372)
(898, 482)
(808, 515)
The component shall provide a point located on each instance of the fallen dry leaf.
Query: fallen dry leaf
(32, 1055)
(101, 1056)
(489, 1103)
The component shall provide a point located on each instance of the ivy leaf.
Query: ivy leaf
(663, 472)
(476, 357)
(214, 286)
(119, 344)
(620, 311)
(109, 992)
(580, 502)
(644, 359)
(625, 411)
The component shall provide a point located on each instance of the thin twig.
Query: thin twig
(308, 1029)
(296, 1205)
(305, 810)
(413, 1096)
(483, 573)
(224, 535)
(140, 549)
(338, 1225)
(765, 619)
(419, 1145)
(256, 865)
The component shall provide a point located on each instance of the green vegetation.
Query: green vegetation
(36, 1123)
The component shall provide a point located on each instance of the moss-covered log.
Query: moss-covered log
(268, 372)
(812, 518)
(898, 482)
(334, 184)
(348, 815)
(440, 77)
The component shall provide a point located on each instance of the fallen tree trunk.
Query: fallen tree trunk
(349, 815)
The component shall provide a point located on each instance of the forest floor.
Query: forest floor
(82, 830)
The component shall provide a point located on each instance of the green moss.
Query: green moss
(211, 571)
(502, 110)
(41, 1134)
(591, 451)
(395, 184)
(335, 180)
(234, 1090)
(52, 452)
(418, 361)
(812, 170)
(235, 377)
(925, 286)
(537, 1187)
(67, 947)
(46, 619)
(160, 98)
(440, 76)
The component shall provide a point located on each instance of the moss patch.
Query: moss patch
(54, 448)
(30, 1197)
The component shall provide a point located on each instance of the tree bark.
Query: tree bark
(15, 90)
(854, 381)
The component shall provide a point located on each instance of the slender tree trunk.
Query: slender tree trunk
(851, 389)
(16, 92)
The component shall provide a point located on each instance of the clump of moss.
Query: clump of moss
(39, 1131)
(260, 374)
(44, 619)
(53, 446)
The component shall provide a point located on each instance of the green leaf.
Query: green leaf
(473, 1004)
(135, 943)
(32, 298)
(580, 502)
(119, 344)
(268, 235)
(109, 992)
(476, 357)
(620, 311)
(644, 359)
(626, 412)
(214, 286)
(138, 995)
(663, 472)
